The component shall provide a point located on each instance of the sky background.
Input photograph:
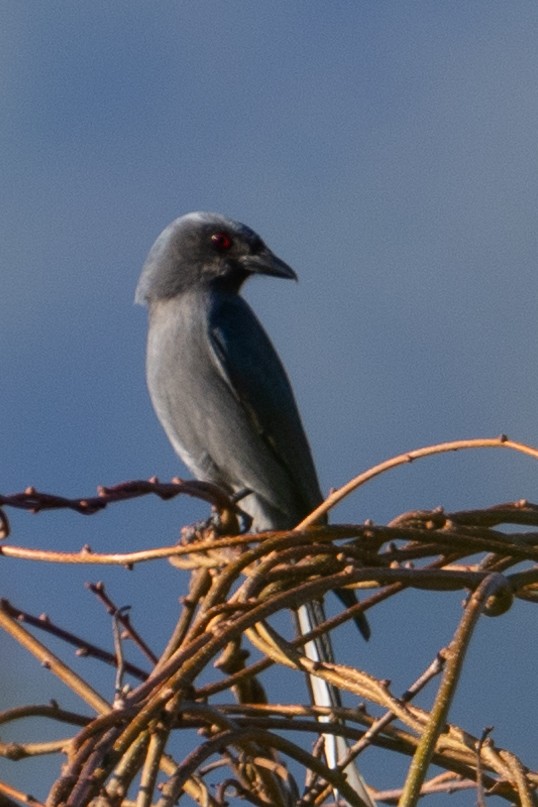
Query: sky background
(388, 152)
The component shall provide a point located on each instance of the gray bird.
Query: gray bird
(223, 397)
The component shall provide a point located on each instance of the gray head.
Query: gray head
(205, 250)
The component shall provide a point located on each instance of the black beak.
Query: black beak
(266, 262)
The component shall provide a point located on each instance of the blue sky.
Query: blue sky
(387, 151)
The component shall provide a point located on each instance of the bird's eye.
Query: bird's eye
(221, 241)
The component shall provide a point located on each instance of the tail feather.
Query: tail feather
(309, 616)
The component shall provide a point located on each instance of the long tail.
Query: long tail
(309, 616)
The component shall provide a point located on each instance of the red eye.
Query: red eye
(221, 241)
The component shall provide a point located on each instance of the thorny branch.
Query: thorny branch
(196, 720)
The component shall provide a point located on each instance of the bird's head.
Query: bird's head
(205, 250)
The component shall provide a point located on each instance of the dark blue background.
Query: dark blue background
(387, 151)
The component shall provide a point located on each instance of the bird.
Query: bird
(224, 399)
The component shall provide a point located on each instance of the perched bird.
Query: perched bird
(223, 397)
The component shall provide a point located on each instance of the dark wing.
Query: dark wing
(256, 377)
